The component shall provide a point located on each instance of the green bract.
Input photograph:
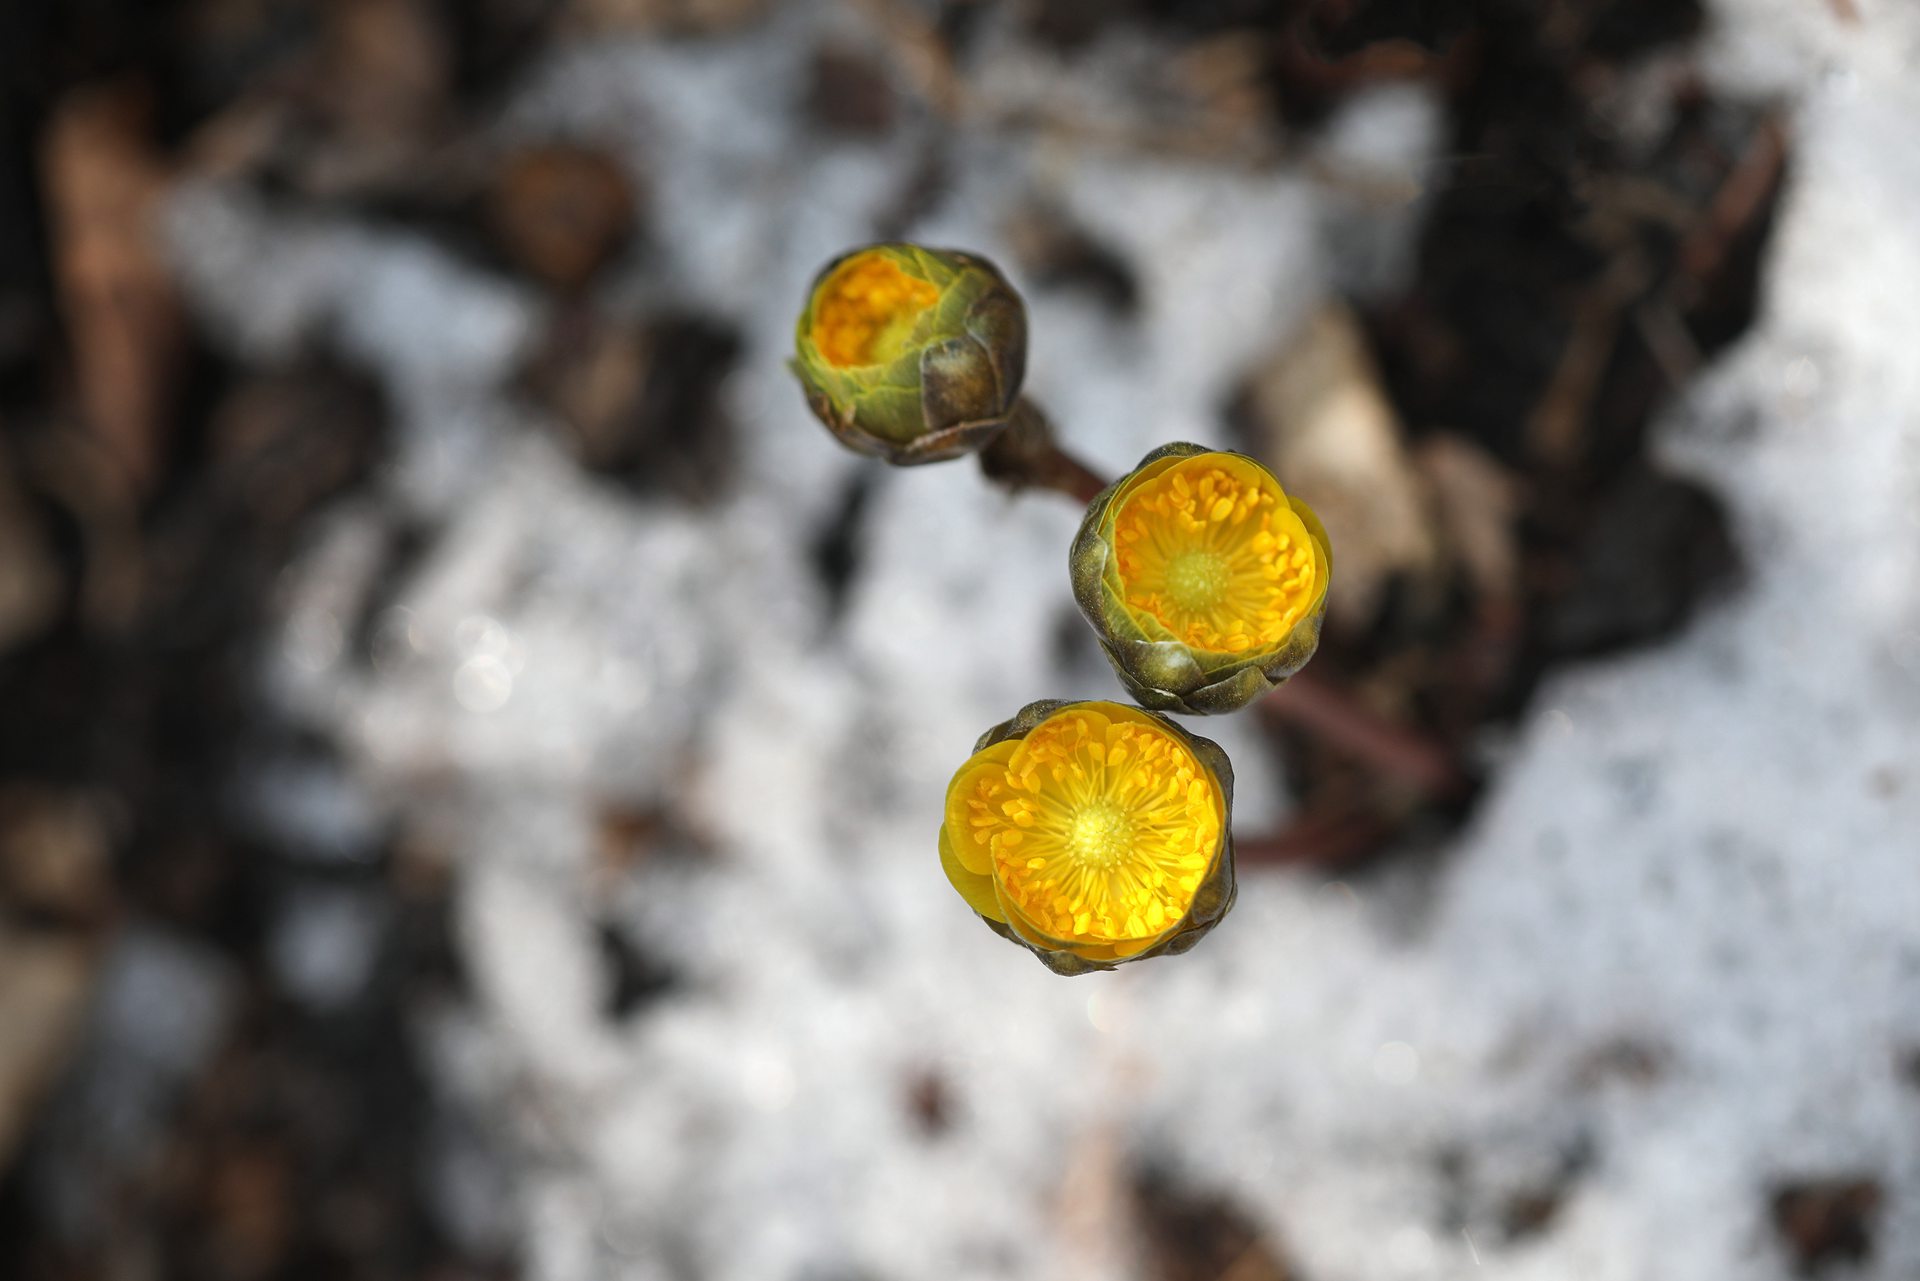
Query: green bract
(1205, 582)
(909, 354)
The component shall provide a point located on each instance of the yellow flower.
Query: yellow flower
(1206, 583)
(1093, 834)
(911, 354)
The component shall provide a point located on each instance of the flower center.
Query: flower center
(1102, 835)
(1101, 824)
(1211, 551)
(1197, 579)
(866, 311)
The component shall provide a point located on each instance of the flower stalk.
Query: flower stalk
(1027, 456)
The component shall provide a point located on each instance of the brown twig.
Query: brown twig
(1739, 201)
(1322, 709)
(104, 180)
(1326, 838)
(1557, 428)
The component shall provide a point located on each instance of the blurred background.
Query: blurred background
(471, 745)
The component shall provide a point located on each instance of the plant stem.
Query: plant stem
(1326, 839)
(1331, 714)
(1026, 456)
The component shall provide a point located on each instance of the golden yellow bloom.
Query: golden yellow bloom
(1092, 833)
(911, 354)
(1210, 549)
(1205, 581)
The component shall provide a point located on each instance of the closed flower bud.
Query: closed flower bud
(1206, 583)
(1092, 834)
(912, 355)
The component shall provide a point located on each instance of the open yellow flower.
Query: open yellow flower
(1093, 834)
(911, 354)
(1206, 583)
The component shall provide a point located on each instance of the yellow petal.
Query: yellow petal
(1133, 947)
(961, 817)
(1243, 469)
(977, 890)
(1311, 519)
(1022, 924)
(1135, 480)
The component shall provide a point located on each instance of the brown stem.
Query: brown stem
(1311, 704)
(1026, 456)
(1327, 839)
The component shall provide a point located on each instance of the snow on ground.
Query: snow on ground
(1679, 949)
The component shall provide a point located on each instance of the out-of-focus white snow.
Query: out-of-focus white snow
(1702, 859)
